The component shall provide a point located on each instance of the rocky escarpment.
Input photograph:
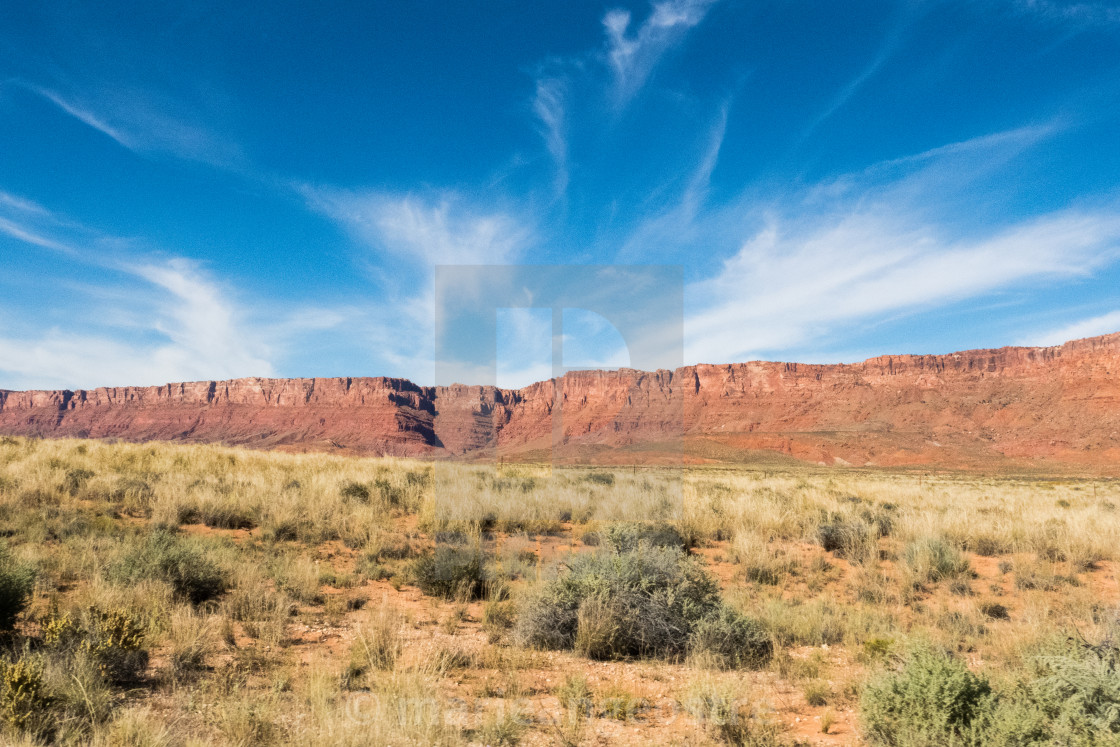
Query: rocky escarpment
(1012, 406)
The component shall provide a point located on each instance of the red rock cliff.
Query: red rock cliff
(1012, 406)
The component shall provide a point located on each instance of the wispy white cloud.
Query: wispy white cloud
(181, 327)
(203, 326)
(86, 117)
(850, 88)
(787, 288)
(137, 319)
(1081, 14)
(701, 178)
(21, 204)
(445, 230)
(146, 123)
(991, 149)
(30, 236)
(549, 107)
(886, 50)
(872, 245)
(675, 225)
(633, 54)
(1091, 327)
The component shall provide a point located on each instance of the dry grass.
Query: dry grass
(322, 637)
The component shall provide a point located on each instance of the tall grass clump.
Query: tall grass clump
(451, 573)
(851, 539)
(377, 646)
(932, 559)
(761, 561)
(730, 640)
(166, 556)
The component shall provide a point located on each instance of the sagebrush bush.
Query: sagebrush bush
(1078, 692)
(1072, 697)
(625, 536)
(652, 601)
(933, 700)
(637, 603)
(451, 572)
(167, 556)
(16, 583)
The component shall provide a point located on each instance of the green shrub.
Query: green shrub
(16, 583)
(163, 555)
(1079, 693)
(451, 572)
(626, 536)
(731, 640)
(644, 602)
(933, 700)
(876, 648)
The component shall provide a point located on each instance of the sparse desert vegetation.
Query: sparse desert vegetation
(186, 595)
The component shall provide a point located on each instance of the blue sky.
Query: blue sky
(197, 191)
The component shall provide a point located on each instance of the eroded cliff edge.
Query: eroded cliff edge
(1016, 405)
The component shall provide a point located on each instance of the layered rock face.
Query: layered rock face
(1011, 407)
